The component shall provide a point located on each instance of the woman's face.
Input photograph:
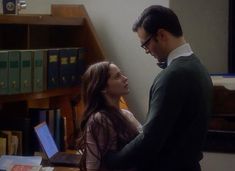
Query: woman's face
(117, 84)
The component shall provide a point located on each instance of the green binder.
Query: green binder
(25, 71)
(14, 72)
(39, 77)
(3, 72)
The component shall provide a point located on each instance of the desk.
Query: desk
(66, 169)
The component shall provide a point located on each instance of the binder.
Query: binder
(18, 134)
(14, 72)
(52, 68)
(80, 64)
(64, 76)
(73, 57)
(39, 70)
(25, 71)
(3, 72)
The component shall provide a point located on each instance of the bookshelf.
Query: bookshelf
(66, 26)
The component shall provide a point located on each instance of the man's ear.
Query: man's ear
(161, 34)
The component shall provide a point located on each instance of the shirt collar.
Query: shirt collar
(183, 50)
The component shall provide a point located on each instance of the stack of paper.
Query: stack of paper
(226, 81)
(24, 163)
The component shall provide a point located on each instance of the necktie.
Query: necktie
(162, 65)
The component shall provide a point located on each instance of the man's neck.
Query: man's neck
(176, 42)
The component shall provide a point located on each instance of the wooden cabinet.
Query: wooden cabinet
(67, 26)
(221, 134)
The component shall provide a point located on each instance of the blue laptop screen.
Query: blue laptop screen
(46, 140)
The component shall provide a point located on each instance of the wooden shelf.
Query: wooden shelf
(67, 26)
(41, 20)
(40, 95)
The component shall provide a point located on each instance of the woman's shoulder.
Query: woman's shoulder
(130, 116)
(126, 112)
(99, 118)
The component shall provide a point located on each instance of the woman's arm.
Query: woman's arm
(99, 138)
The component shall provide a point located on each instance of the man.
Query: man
(179, 102)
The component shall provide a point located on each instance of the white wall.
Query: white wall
(113, 20)
(205, 24)
(218, 162)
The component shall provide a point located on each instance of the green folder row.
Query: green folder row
(22, 71)
(25, 71)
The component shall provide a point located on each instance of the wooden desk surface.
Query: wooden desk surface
(66, 169)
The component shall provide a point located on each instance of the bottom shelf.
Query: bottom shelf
(220, 141)
(15, 113)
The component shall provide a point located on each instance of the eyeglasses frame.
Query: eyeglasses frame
(146, 42)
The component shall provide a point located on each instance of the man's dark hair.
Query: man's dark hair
(156, 17)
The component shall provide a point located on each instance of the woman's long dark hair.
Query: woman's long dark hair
(94, 82)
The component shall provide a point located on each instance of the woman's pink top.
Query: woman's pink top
(92, 162)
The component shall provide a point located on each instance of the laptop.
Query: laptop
(49, 147)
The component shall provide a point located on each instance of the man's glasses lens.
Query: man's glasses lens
(145, 43)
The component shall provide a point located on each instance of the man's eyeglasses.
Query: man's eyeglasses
(146, 42)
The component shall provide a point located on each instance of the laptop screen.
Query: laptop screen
(46, 140)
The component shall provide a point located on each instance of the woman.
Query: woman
(104, 126)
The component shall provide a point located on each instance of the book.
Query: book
(9, 141)
(3, 72)
(59, 130)
(14, 144)
(18, 124)
(39, 70)
(3, 146)
(25, 71)
(51, 121)
(3, 143)
(24, 167)
(65, 133)
(19, 136)
(14, 72)
(52, 68)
